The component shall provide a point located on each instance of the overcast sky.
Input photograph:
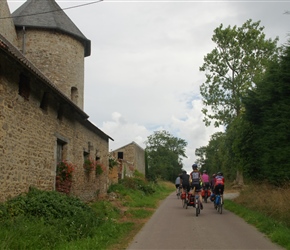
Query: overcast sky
(143, 72)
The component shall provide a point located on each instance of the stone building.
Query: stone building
(42, 121)
(131, 158)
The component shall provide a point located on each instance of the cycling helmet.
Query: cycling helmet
(204, 171)
(194, 166)
(219, 173)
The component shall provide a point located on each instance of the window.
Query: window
(120, 155)
(61, 150)
(86, 156)
(24, 88)
(44, 101)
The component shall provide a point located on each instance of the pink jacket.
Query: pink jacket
(205, 178)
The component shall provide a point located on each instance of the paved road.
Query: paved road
(173, 227)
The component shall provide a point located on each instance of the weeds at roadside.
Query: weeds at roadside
(278, 232)
(271, 201)
(50, 220)
(267, 208)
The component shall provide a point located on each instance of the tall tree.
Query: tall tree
(267, 110)
(164, 153)
(212, 155)
(233, 67)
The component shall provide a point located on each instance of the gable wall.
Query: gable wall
(133, 154)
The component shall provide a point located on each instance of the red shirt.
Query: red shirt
(219, 180)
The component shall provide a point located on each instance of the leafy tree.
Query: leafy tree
(233, 67)
(201, 156)
(164, 155)
(267, 110)
(209, 155)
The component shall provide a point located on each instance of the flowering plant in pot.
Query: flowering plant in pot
(89, 165)
(100, 168)
(113, 162)
(64, 173)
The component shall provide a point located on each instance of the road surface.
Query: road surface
(174, 227)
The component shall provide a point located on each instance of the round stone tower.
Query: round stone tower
(52, 42)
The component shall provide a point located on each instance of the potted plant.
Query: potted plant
(89, 165)
(64, 173)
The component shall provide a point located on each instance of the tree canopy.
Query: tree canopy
(257, 141)
(234, 66)
(164, 155)
(267, 111)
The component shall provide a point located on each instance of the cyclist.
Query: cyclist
(195, 182)
(219, 184)
(184, 181)
(212, 182)
(205, 180)
(177, 185)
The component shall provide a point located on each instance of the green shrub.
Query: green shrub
(52, 220)
(67, 215)
(138, 184)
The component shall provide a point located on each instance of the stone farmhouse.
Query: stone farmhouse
(42, 121)
(131, 158)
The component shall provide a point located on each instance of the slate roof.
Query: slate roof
(47, 14)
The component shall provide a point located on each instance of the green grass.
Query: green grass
(50, 220)
(106, 235)
(139, 213)
(276, 231)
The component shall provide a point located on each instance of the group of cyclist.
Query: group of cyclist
(195, 182)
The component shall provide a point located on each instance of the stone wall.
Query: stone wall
(114, 175)
(29, 135)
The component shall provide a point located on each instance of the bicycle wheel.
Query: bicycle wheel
(221, 205)
(216, 202)
(197, 211)
(205, 197)
(197, 207)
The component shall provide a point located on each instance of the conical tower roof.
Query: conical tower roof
(47, 14)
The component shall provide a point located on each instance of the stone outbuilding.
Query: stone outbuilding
(42, 122)
(131, 157)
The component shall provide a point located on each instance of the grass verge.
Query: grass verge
(266, 208)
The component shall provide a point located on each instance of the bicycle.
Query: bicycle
(197, 205)
(205, 193)
(193, 200)
(184, 199)
(218, 202)
(178, 192)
